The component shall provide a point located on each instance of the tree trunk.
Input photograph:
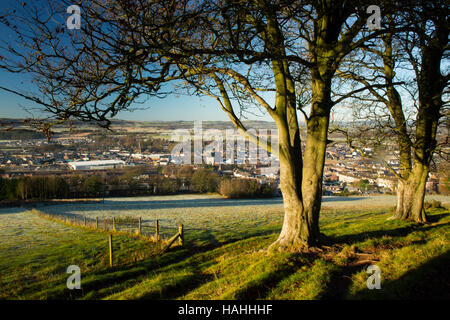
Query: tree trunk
(294, 235)
(411, 194)
(431, 84)
(300, 229)
(315, 150)
(301, 181)
(314, 161)
(413, 175)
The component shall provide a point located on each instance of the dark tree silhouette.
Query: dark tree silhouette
(239, 52)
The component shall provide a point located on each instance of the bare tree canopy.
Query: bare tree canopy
(241, 53)
(412, 64)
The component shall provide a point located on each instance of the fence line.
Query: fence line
(110, 250)
(120, 225)
(151, 229)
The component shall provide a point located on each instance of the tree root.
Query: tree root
(288, 246)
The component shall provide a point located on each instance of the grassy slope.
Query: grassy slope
(35, 254)
(413, 261)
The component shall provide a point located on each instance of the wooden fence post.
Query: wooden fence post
(110, 250)
(181, 235)
(157, 230)
(96, 220)
(85, 221)
(114, 224)
(139, 225)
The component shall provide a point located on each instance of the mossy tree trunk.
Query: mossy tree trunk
(415, 157)
(411, 194)
(301, 180)
(301, 175)
(296, 234)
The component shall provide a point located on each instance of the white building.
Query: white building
(348, 179)
(386, 183)
(271, 172)
(97, 164)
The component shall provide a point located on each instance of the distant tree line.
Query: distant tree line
(130, 183)
(20, 134)
(41, 188)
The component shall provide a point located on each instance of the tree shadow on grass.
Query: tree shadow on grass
(186, 284)
(397, 232)
(181, 286)
(430, 281)
(435, 218)
(139, 269)
(362, 236)
(118, 274)
(340, 282)
(259, 288)
(106, 285)
(96, 282)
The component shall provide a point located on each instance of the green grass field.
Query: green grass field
(224, 256)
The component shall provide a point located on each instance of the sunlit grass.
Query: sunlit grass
(243, 270)
(224, 256)
(35, 253)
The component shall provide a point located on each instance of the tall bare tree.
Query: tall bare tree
(411, 62)
(239, 52)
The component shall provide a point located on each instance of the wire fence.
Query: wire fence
(151, 229)
(132, 227)
(162, 236)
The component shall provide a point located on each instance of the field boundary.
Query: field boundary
(121, 225)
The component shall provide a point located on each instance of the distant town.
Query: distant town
(143, 151)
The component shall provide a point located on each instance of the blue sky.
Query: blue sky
(172, 108)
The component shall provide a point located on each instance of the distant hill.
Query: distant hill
(20, 134)
(119, 125)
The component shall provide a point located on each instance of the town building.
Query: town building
(97, 164)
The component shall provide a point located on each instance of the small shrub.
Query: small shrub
(166, 186)
(243, 188)
(204, 180)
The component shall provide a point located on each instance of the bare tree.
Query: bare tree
(409, 62)
(239, 52)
